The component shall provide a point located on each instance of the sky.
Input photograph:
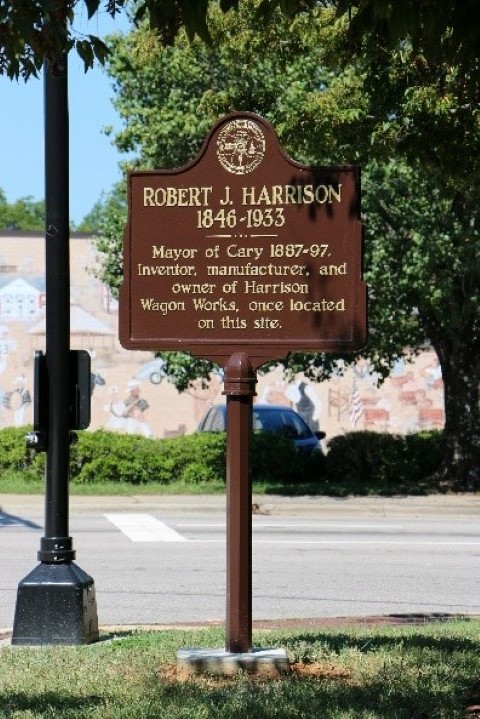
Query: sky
(93, 159)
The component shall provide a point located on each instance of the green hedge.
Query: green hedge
(359, 462)
(103, 456)
(383, 463)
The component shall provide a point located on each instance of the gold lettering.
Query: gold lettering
(275, 288)
(226, 200)
(320, 306)
(333, 269)
(221, 305)
(276, 195)
(333, 193)
(205, 324)
(253, 270)
(308, 195)
(203, 288)
(291, 195)
(166, 270)
(148, 195)
(173, 253)
(266, 306)
(176, 196)
(153, 305)
(238, 251)
(248, 196)
(264, 197)
(233, 323)
(266, 323)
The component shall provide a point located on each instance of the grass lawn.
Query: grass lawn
(394, 672)
(15, 483)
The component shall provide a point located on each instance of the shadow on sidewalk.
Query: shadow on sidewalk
(9, 520)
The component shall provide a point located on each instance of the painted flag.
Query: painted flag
(356, 406)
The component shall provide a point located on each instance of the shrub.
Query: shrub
(103, 456)
(365, 462)
(274, 458)
(424, 452)
(359, 462)
(198, 457)
(14, 454)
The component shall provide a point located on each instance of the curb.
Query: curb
(417, 619)
(465, 505)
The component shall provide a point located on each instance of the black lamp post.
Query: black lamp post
(56, 602)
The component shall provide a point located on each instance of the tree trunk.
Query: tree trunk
(460, 467)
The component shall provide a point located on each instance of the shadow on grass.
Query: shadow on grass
(319, 699)
(387, 677)
(340, 641)
(49, 704)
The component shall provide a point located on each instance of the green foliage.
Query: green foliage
(446, 31)
(33, 31)
(407, 114)
(103, 456)
(370, 462)
(107, 221)
(423, 452)
(109, 457)
(15, 456)
(190, 459)
(353, 671)
(420, 222)
(23, 214)
(357, 463)
(274, 459)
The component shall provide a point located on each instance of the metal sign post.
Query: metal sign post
(240, 381)
(56, 602)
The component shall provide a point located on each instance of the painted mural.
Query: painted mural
(129, 390)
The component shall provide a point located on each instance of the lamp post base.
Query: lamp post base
(56, 605)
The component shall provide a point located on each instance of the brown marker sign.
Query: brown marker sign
(243, 250)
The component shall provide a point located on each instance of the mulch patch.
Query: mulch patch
(309, 670)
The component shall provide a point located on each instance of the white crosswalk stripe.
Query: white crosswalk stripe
(144, 528)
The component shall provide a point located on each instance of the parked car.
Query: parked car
(274, 418)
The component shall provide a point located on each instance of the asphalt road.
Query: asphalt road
(161, 560)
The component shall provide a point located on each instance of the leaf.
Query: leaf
(100, 50)
(139, 14)
(85, 51)
(92, 7)
(266, 9)
(226, 5)
(195, 18)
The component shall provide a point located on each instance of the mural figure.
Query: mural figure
(128, 415)
(306, 402)
(17, 400)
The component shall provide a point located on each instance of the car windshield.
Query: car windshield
(287, 423)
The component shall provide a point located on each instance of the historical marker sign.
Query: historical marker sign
(243, 250)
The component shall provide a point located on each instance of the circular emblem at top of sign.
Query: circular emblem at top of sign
(240, 146)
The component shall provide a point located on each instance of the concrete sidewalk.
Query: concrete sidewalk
(449, 505)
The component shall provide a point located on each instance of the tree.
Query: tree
(421, 207)
(23, 214)
(35, 30)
